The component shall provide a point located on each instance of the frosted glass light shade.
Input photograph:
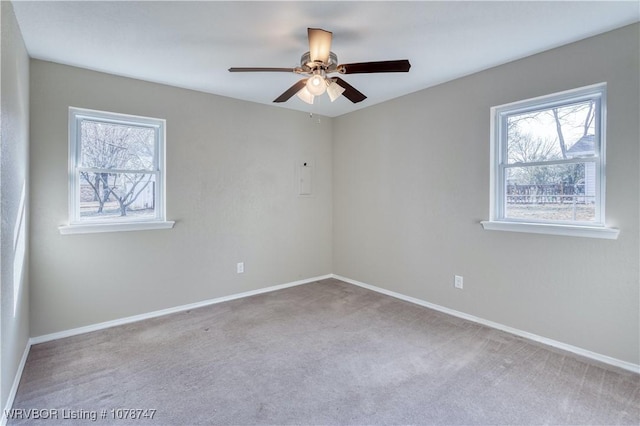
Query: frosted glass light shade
(305, 95)
(334, 91)
(316, 85)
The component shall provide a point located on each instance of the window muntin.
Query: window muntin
(549, 160)
(116, 168)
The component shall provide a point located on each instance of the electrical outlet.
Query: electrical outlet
(457, 281)
(240, 268)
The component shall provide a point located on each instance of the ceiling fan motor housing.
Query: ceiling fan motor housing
(309, 66)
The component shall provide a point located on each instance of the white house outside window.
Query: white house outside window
(116, 172)
(548, 164)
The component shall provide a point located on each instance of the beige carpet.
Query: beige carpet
(321, 353)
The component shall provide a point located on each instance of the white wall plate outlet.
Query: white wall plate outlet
(457, 281)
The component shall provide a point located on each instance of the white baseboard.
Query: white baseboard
(550, 342)
(16, 383)
(162, 312)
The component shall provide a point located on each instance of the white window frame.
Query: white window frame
(110, 224)
(499, 115)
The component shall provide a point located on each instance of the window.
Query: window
(548, 163)
(116, 172)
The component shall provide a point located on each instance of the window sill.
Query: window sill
(543, 228)
(91, 228)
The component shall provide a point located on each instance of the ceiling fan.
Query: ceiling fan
(318, 63)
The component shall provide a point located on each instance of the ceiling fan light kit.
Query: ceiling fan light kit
(320, 61)
(333, 89)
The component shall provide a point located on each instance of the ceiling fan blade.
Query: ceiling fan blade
(319, 44)
(291, 91)
(402, 65)
(262, 69)
(350, 92)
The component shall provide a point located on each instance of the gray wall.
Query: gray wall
(230, 189)
(14, 145)
(411, 184)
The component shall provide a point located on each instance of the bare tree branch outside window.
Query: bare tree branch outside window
(116, 169)
(556, 135)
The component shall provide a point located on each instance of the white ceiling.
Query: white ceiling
(192, 44)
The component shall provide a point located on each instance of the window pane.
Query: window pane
(552, 134)
(116, 146)
(565, 192)
(112, 195)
